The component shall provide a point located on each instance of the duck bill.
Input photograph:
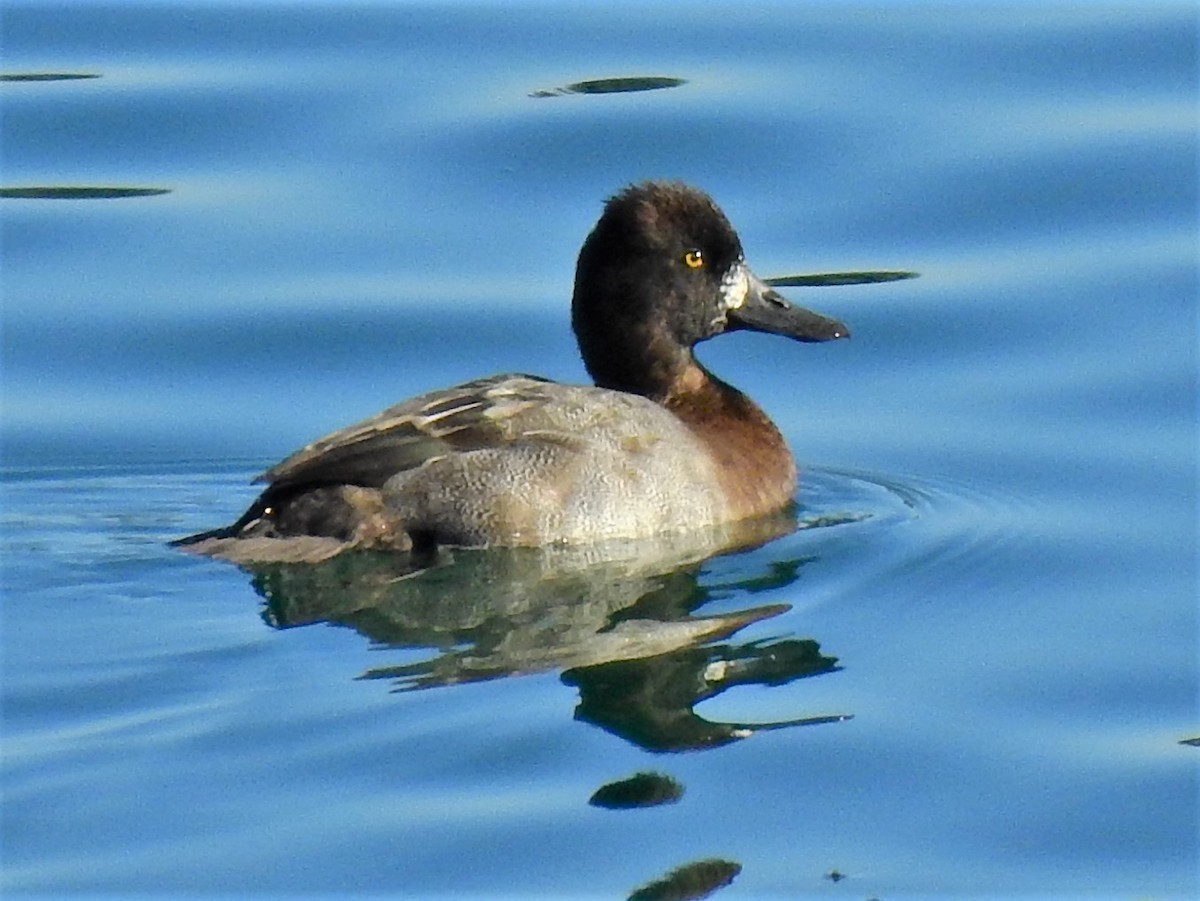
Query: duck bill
(764, 309)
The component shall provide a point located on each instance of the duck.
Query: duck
(657, 445)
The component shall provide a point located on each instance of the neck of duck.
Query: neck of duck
(650, 364)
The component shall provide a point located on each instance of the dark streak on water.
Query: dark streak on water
(46, 76)
(628, 85)
(838, 278)
(79, 192)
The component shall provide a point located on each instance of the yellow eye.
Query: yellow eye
(693, 259)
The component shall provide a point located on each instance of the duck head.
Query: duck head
(662, 271)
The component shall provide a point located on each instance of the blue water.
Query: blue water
(991, 620)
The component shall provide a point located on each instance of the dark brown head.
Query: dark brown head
(663, 270)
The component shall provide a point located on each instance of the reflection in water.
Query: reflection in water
(693, 880)
(639, 790)
(839, 278)
(510, 611)
(46, 76)
(636, 627)
(650, 702)
(617, 618)
(614, 86)
(79, 192)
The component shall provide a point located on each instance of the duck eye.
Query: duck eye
(693, 259)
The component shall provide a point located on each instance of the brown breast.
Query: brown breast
(756, 470)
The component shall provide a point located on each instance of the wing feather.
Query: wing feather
(470, 416)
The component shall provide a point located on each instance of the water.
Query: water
(988, 657)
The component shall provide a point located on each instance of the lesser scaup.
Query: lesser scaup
(658, 445)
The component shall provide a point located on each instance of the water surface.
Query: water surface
(969, 677)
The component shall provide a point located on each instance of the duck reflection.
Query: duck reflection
(698, 879)
(639, 790)
(618, 620)
(650, 702)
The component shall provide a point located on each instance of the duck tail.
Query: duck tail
(224, 532)
(256, 511)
